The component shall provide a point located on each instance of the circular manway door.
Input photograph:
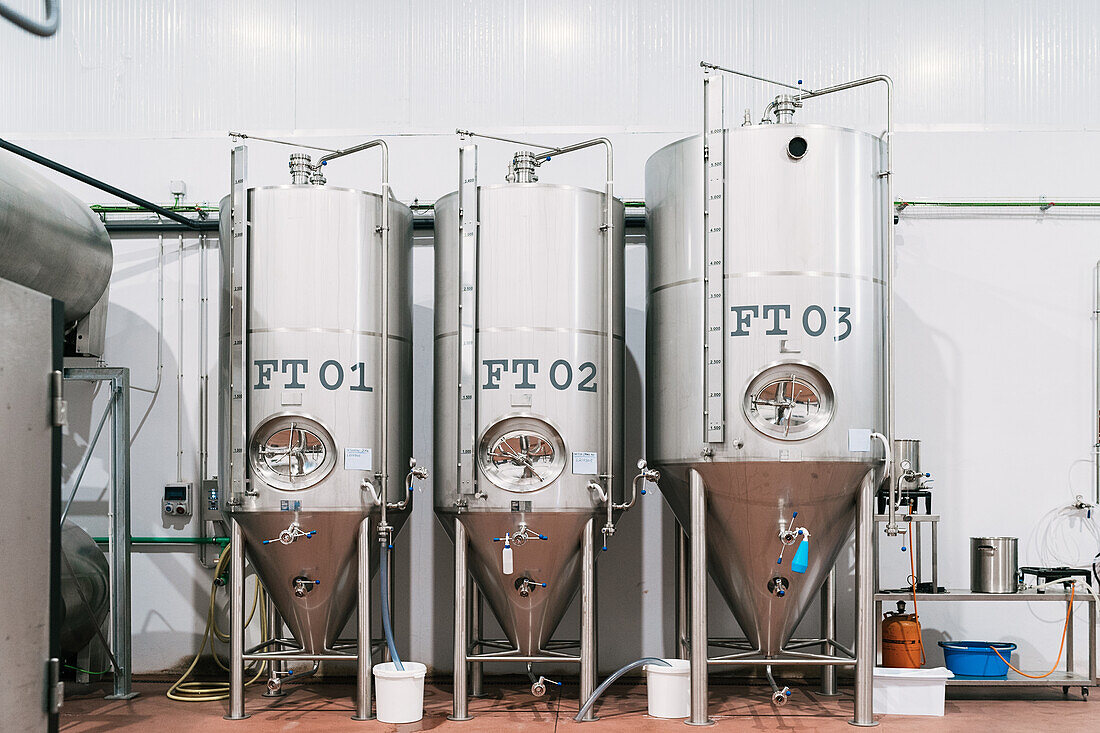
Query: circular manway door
(292, 452)
(522, 454)
(789, 402)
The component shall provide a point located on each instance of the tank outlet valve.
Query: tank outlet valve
(538, 687)
(778, 586)
(275, 682)
(779, 697)
(525, 585)
(303, 585)
(291, 534)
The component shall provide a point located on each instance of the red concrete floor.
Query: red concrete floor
(327, 707)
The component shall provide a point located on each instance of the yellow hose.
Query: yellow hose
(184, 691)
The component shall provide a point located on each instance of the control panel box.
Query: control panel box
(177, 500)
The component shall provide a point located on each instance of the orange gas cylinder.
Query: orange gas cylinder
(901, 640)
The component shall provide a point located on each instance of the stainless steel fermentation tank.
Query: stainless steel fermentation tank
(528, 409)
(766, 370)
(316, 426)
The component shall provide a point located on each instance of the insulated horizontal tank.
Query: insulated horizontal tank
(50, 241)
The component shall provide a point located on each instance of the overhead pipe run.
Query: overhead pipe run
(96, 183)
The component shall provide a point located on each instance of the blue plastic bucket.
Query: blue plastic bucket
(977, 658)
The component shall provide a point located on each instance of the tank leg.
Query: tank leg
(683, 570)
(865, 602)
(236, 622)
(363, 690)
(588, 616)
(476, 630)
(828, 630)
(459, 694)
(698, 601)
(275, 666)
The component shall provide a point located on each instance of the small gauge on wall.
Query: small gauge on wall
(522, 454)
(789, 402)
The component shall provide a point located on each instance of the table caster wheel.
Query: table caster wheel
(1085, 693)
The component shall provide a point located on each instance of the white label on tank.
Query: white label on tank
(357, 459)
(790, 454)
(291, 397)
(584, 464)
(859, 440)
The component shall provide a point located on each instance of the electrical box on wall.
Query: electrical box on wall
(177, 500)
(211, 501)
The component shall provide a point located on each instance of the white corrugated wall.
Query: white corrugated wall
(994, 99)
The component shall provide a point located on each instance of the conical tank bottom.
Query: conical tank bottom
(326, 563)
(528, 620)
(748, 504)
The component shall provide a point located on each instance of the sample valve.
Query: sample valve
(520, 538)
(290, 534)
(788, 537)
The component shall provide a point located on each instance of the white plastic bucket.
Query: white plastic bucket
(909, 691)
(399, 695)
(669, 689)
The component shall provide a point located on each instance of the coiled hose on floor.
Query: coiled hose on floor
(614, 676)
(384, 573)
(184, 691)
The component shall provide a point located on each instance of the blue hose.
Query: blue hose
(384, 561)
(614, 676)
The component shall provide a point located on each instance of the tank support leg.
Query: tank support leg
(828, 630)
(683, 569)
(275, 666)
(698, 641)
(363, 690)
(460, 693)
(865, 603)
(476, 668)
(588, 615)
(236, 622)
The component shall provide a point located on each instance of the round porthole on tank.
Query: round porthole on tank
(521, 454)
(796, 147)
(789, 402)
(292, 452)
